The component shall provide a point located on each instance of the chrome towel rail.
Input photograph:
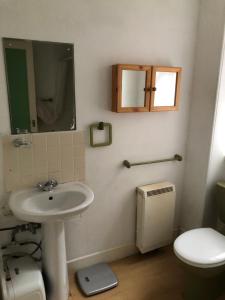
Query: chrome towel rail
(128, 165)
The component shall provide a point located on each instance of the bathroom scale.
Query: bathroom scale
(96, 279)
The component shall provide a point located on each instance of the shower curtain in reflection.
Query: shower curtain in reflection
(49, 110)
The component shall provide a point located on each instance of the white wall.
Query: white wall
(105, 33)
(200, 177)
(216, 171)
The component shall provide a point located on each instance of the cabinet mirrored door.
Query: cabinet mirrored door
(131, 88)
(165, 88)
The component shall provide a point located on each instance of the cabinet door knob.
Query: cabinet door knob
(154, 89)
(147, 89)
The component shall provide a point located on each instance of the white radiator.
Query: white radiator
(155, 215)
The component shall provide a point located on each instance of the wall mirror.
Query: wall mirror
(40, 81)
(143, 88)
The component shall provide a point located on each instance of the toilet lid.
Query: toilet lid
(203, 247)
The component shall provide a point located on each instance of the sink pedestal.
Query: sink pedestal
(54, 260)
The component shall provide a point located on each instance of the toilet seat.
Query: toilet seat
(203, 248)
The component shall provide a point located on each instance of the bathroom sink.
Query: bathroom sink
(64, 202)
(52, 208)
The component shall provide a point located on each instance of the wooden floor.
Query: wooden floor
(154, 276)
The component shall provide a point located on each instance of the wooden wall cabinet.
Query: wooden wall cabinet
(143, 88)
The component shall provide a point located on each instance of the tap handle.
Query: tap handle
(48, 185)
(40, 185)
(53, 182)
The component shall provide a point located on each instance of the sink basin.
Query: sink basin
(64, 202)
(52, 209)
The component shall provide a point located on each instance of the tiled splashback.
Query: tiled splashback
(58, 155)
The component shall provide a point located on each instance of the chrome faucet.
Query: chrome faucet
(47, 186)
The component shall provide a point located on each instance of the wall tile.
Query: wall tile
(39, 140)
(26, 161)
(58, 155)
(53, 159)
(66, 139)
(13, 181)
(41, 177)
(67, 165)
(78, 139)
(40, 159)
(11, 161)
(52, 139)
(81, 174)
(78, 151)
(56, 175)
(27, 181)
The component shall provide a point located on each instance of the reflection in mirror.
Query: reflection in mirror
(165, 83)
(133, 85)
(40, 78)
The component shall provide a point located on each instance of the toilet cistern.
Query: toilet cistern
(52, 208)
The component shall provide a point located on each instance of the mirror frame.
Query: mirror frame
(176, 70)
(117, 71)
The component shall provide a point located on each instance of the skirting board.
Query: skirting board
(108, 255)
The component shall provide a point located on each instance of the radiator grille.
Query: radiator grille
(160, 191)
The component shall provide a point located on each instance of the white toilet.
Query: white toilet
(201, 248)
(202, 253)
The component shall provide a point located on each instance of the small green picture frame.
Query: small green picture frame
(101, 126)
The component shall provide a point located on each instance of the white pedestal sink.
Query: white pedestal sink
(52, 209)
